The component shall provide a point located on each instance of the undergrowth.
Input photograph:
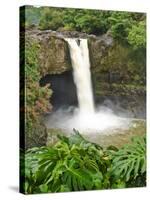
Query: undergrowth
(75, 164)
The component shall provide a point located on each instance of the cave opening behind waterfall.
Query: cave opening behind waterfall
(64, 90)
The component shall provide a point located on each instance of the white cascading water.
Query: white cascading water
(82, 75)
(84, 118)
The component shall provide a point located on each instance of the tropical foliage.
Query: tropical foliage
(74, 164)
(137, 35)
(36, 97)
(124, 26)
(129, 162)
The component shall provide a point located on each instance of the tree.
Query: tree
(51, 18)
(137, 35)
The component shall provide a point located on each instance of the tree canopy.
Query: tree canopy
(127, 27)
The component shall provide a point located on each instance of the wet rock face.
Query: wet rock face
(98, 48)
(124, 105)
(54, 56)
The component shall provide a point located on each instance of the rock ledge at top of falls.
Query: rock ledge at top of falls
(111, 61)
(68, 34)
(54, 56)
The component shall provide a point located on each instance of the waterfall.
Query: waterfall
(85, 118)
(81, 72)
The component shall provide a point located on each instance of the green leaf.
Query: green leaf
(43, 188)
(130, 161)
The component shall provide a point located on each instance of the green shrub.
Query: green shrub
(74, 164)
(37, 98)
(34, 99)
(137, 35)
(51, 18)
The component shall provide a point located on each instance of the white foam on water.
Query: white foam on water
(102, 120)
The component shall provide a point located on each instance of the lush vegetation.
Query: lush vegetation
(74, 164)
(130, 161)
(36, 97)
(125, 26)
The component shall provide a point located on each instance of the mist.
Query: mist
(102, 121)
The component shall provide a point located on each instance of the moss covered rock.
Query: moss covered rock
(53, 56)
